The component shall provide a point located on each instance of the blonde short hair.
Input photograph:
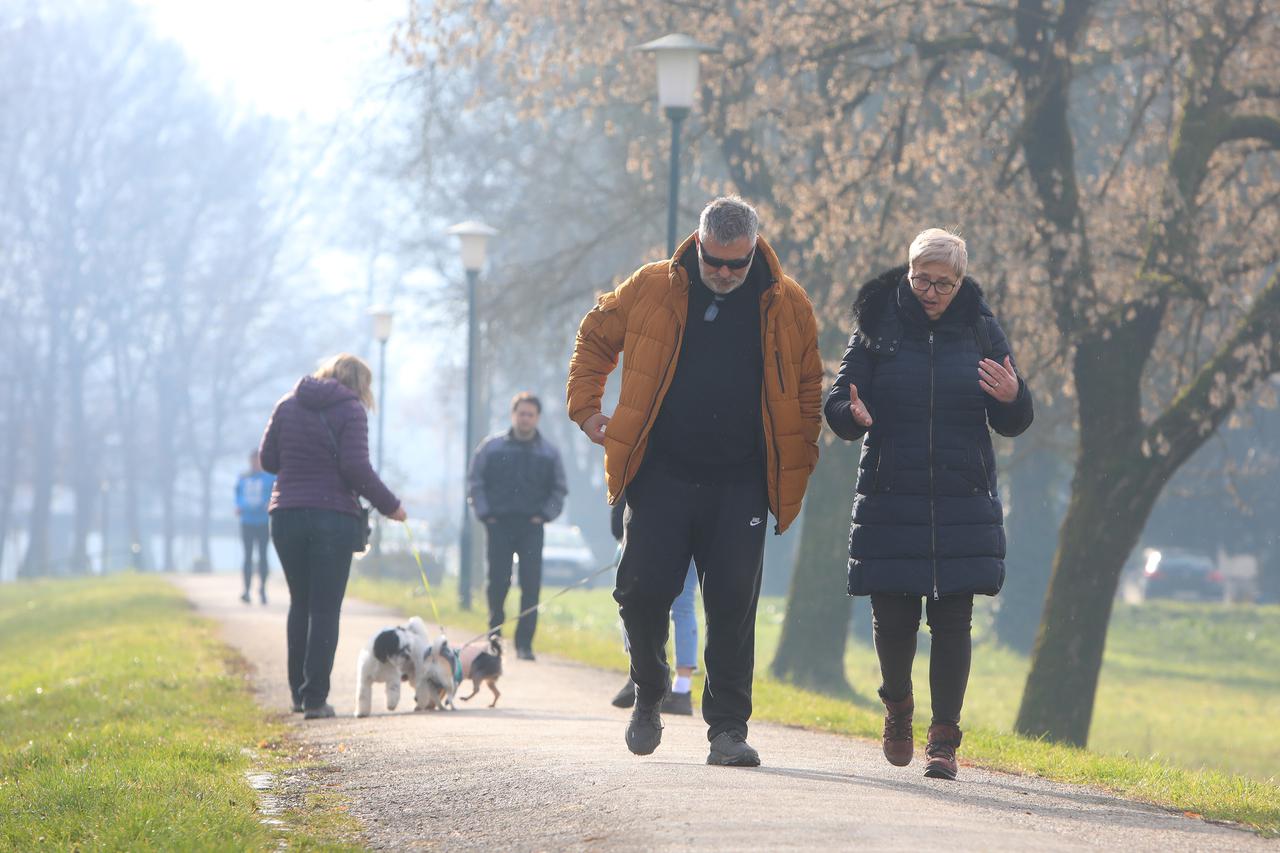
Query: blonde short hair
(936, 244)
(352, 372)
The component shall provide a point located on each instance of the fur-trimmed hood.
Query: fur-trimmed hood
(874, 295)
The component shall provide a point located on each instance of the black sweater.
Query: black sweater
(709, 426)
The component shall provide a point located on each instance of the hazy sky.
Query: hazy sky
(290, 58)
(315, 63)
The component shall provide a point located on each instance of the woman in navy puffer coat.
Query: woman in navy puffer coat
(927, 374)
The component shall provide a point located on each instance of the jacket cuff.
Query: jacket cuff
(580, 416)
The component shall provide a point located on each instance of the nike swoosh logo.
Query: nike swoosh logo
(756, 522)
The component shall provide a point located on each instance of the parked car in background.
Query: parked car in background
(566, 557)
(1182, 575)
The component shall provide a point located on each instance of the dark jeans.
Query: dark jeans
(314, 546)
(515, 535)
(721, 525)
(255, 536)
(896, 620)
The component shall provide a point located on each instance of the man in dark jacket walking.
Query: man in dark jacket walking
(516, 485)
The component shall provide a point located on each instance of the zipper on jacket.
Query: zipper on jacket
(777, 357)
(764, 392)
(933, 516)
(657, 391)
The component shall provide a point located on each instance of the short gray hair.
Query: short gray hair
(935, 244)
(728, 219)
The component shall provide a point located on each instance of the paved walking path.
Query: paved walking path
(547, 770)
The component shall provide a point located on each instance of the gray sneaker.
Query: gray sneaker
(644, 732)
(678, 703)
(324, 712)
(626, 697)
(730, 749)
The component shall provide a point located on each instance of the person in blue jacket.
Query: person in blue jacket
(253, 493)
(927, 376)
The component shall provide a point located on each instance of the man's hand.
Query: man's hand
(858, 409)
(998, 380)
(488, 519)
(594, 427)
(537, 519)
(399, 514)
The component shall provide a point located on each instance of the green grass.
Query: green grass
(1185, 718)
(126, 724)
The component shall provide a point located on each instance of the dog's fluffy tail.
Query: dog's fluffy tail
(417, 626)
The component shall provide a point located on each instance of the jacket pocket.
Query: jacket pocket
(882, 479)
(777, 359)
(986, 471)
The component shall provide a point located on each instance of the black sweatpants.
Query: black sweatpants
(515, 535)
(255, 537)
(314, 546)
(721, 526)
(896, 621)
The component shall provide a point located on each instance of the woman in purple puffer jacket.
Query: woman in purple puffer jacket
(317, 443)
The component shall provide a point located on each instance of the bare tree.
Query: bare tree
(145, 223)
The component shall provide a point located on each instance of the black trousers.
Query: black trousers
(508, 536)
(314, 546)
(896, 622)
(255, 537)
(721, 526)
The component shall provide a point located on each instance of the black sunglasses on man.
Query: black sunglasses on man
(716, 263)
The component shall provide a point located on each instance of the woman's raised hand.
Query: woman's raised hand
(857, 408)
(998, 380)
(399, 514)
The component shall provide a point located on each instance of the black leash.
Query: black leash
(581, 582)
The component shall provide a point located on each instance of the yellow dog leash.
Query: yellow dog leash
(413, 546)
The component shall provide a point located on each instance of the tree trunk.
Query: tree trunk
(14, 443)
(816, 626)
(1032, 524)
(861, 622)
(1269, 576)
(126, 416)
(83, 467)
(1110, 502)
(36, 561)
(167, 465)
(206, 517)
(140, 553)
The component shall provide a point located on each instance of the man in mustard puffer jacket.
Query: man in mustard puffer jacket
(716, 425)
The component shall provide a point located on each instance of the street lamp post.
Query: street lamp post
(473, 238)
(677, 56)
(381, 317)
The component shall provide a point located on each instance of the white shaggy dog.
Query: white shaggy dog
(440, 674)
(393, 655)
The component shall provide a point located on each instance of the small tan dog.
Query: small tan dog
(483, 667)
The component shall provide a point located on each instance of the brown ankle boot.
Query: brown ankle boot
(944, 739)
(898, 747)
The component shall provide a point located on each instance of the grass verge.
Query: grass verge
(1143, 690)
(126, 724)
